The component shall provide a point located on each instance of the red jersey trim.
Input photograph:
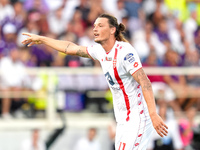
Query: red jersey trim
(108, 52)
(119, 80)
(89, 54)
(136, 70)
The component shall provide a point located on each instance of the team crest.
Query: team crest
(129, 57)
(108, 58)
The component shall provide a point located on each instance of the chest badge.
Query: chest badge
(108, 58)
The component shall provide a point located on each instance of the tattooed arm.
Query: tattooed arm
(147, 91)
(66, 47)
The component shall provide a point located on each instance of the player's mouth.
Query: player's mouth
(96, 35)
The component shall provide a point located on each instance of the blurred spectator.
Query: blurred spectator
(13, 79)
(8, 39)
(87, 39)
(192, 60)
(190, 26)
(186, 125)
(84, 8)
(88, 142)
(162, 30)
(178, 82)
(56, 19)
(72, 61)
(39, 19)
(34, 142)
(78, 24)
(2, 44)
(177, 36)
(19, 17)
(194, 5)
(149, 7)
(95, 10)
(58, 61)
(69, 8)
(110, 6)
(6, 10)
(197, 40)
(39, 5)
(161, 90)
(127, 32)
(160, 11)
(145, 41)
(27, 59)
(30, 25)
(53, 5)
(173, 140)
(69, 60)
(177, 8)
(120, 11)
(133, 8)
(43, 55)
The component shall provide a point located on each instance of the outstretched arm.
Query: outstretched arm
(66, 47)
(147, 91)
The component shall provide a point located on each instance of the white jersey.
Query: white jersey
(118, 66)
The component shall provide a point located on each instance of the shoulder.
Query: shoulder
(26, 142)
(126, 50)
(5, 60)
(83, 140)
(125, 47)
(94, 46)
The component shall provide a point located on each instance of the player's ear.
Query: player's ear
(112, 30)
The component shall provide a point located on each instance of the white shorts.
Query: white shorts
(134, 135)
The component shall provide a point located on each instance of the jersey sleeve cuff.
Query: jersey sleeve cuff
(89, 53)
(135, 71)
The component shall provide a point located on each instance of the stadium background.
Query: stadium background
(67, 94)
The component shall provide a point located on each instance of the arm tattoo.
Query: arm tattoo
(143, 80)
(147, 86)
(81, 53)
(66, 48)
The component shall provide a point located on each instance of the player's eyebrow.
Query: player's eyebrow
(97, 24)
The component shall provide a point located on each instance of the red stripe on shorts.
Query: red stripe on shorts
(120, 145)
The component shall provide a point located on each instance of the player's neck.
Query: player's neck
(108, 45)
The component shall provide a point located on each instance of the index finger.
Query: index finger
(28, 34)
(165, 125)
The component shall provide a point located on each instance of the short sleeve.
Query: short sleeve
(92, 51)
(131, 60)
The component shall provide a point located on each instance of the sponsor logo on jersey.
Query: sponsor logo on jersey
(115, 88)
(135, 64)
(129, 57)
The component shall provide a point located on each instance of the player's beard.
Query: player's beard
(101, 41)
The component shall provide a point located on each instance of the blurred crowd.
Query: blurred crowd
(152, 26)
(165, 33)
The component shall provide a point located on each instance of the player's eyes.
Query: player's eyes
(94, 26)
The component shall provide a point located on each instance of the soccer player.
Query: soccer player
(133, 99)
